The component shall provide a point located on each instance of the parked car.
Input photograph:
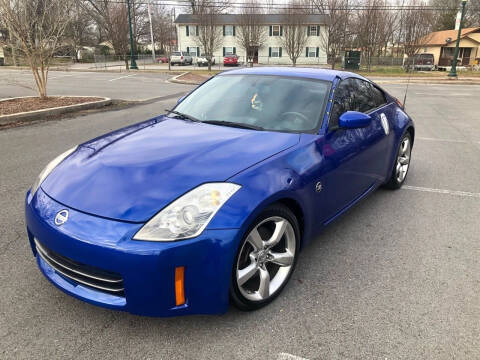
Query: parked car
(181, 58)
(202, 60)
(425, 62)
(230, 60)
(215, 199)
(162, 59)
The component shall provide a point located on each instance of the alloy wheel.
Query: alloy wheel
(403, 159)
(266, 259)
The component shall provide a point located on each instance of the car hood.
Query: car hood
(134, 172)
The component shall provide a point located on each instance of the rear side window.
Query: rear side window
(378, 96)
(363, 96)
(368, 97)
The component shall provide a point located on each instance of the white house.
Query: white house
(270, 52)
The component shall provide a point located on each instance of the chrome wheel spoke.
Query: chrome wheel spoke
(282, 259)
(403, 160)
(246, 274)
(264, 289)
(280, 227)
(255, 239)
(405, 146)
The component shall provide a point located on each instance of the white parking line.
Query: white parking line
(448, 94)
(447, 140)
(441, 140)
(61, 76)
(122, 77)
(287, 356)
(442, 191)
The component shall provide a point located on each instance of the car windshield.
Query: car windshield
(269, 102)
(176, 54)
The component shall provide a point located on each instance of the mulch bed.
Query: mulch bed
(14, 106)
(193, 78)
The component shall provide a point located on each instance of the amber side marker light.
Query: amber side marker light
(180, 285)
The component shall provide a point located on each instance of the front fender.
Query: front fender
(278, 178)
(401, 125)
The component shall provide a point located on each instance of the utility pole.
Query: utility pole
(453, 70)
(133, 63)
(151, 30)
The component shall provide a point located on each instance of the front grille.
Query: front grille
(87, 275)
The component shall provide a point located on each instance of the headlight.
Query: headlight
(187, 216)
(48, 169)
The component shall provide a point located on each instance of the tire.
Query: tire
(402, 163)
(261, 253)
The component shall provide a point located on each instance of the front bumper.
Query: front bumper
(147, 268)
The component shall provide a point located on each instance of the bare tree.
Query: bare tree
(164, 31)
(294, 36)
(251, 31)
(111, 18)
(140, 22)
(416, 27)
(371, 24)
(163, 28)
(38, 27)
(209, 36)
(80, 31)
(335, 37)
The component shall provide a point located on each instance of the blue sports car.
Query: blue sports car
(212, 202)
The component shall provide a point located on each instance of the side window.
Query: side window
(342, 102)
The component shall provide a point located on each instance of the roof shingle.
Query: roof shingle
(440, 37)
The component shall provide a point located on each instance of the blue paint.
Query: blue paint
(115, 183)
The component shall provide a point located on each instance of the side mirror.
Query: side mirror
(353, 120)
(181, 99)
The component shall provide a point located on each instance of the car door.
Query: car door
(350, 167)
(375, 138)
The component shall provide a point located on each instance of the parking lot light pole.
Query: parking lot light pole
(453, 70)
(133, 63)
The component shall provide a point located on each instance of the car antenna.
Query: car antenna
(406, 89)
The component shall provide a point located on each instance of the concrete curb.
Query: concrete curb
(35, 115)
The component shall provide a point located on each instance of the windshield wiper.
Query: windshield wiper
(234, 124)
(182, 115)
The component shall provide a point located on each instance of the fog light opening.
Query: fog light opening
(180, 285)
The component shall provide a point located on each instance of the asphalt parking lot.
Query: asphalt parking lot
(397, 277)
(125, 86)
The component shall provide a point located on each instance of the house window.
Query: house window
(312, 52)
(312, 30)
(229, 51)
(229, 30)
(193, 51)
(275, 52)
(276, 30)
(191, 30)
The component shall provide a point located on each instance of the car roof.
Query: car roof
(302, 72)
